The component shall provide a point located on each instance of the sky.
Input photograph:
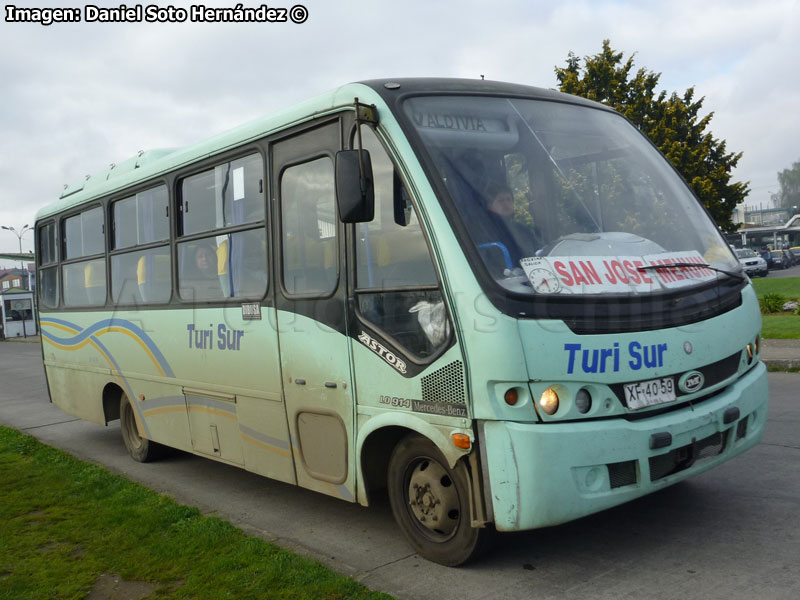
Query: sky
(75, 97)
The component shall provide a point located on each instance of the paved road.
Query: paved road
(790, 272)
(729, 533)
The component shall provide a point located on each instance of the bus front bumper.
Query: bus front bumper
(546, 474)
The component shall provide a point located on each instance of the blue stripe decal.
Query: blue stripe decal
(114, 322)
(262, 437)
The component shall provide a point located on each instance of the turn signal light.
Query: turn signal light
(461, 440)
(511, 397)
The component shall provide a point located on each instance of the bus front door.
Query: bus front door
(311, 312)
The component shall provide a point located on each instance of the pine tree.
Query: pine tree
(672, 122)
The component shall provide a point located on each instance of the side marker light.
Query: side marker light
(511, 397)
(461, 440)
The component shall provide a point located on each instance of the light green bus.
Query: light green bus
(498, 302)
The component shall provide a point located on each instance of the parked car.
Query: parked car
(752, 264)
(781, 259)
(795, 252)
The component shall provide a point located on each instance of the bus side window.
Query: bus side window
(141, 276)
(391, 253)
(223, 263)
(47, 258)
(230, 194)
(84, 281)
(308, 228)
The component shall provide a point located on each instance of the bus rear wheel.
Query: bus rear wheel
(430, 503)
(141, 449)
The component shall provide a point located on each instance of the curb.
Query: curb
(21, 340)
(782, 364)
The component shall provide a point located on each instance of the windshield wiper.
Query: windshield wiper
(679, 265)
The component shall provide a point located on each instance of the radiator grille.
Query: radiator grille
(713, 374)
(445, 385)
(684, 457)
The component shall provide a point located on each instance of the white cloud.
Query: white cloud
(75, 97)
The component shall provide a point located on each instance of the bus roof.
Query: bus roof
(154, 163)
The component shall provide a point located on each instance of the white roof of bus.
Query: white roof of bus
(155, 163)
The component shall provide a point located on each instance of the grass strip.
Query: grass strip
(779, 369)
(66, 524)
(788, 287)
(782, 327)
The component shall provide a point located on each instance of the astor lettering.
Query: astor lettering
(382, 351)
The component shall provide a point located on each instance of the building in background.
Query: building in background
(17, 317)
(773, 228)
(18, 297)
(22, 279)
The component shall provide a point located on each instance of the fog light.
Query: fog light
(583, 401)
(511, 397)
(549, 401)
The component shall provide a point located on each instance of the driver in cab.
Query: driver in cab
(502, 240)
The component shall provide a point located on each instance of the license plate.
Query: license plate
(649, 393)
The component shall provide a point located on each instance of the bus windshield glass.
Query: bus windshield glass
(558, 198)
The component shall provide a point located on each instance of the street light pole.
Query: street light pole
(25, 229)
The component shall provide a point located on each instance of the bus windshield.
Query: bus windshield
(559, 198)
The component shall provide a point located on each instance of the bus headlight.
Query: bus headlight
(549, 401)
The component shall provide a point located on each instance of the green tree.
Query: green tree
(672, 122)
(789, 194)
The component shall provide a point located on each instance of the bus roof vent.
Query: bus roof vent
(144, 157)
(149, 156)
(445, 385)
(72, 189)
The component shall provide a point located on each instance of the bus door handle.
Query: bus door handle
(330, 384)
(300, 381)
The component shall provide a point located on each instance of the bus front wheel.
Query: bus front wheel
(430, 503)
(141, 449)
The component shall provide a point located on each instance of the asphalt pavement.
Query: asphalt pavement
(729, 533)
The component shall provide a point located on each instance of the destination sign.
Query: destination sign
(615, 274)
(459, 122)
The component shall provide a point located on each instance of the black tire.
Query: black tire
(430, 502)
(141, 449)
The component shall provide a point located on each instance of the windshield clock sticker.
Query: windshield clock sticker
(543, 279)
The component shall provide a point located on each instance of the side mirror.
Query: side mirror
(355, 196)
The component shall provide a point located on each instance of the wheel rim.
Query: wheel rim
(129, 428)
(433, 500)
